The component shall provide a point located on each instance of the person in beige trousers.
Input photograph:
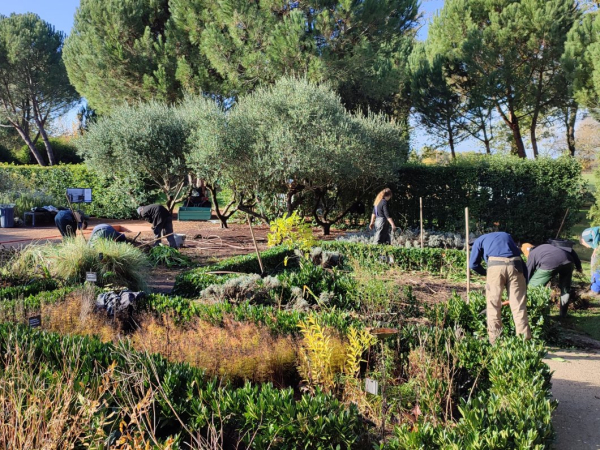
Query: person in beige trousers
(505, 269)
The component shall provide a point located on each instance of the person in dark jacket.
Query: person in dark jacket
(161, 220)
(505, 269)
(105, 231)
(68, 222)
(381, 219)
(546, 261)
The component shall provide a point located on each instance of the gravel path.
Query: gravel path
(576, 385)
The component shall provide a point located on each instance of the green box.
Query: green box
(194, 213)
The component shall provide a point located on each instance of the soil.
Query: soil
(576, 385)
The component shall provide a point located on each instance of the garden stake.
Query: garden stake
(421, 206)
(467, 248)
(562, 223)
(262, 269)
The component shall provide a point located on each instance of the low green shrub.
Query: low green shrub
(277, 320)
(168, 257)
(27, 290)
(512, 410)
(437, 261)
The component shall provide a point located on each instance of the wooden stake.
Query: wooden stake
(562, 223)
(467, 248)
(262, 269)
(421, 207)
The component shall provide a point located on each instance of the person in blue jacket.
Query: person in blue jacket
(105, 231)
(505, 270)
(68, 222)
(591, 238)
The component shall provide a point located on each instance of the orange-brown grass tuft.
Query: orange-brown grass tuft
(237, 351)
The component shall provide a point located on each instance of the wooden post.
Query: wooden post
(421, 207)
(467, 248)
(262, 269)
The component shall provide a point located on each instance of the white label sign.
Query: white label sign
(91, 276)
(371, 386)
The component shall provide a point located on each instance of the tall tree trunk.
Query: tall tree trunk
(40, 122)
(516, 131)
(570, 119)
(30, 144)
(450, 138)
(533, 135)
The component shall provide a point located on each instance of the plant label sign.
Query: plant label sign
(371, 386)
(91, 277)
(35, 321)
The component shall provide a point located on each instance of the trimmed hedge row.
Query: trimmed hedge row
(277, 320)
(260, 416)
(112, 198)
(527, 198)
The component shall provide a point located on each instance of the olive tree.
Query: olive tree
(294, 146)
(145, 143)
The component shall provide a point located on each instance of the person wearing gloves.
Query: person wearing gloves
(161, 220)
(68, 222)
(505, 269)
(545, 262)
(381, 220)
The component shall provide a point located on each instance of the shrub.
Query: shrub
(65, 152)
(122, 265)
(499, 189)
(292, 232)
(113, 199)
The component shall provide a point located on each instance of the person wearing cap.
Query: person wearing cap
(161, 220)
(545, 262)
(68, 222)
(105, 231)
(505, 269)
(590, 238)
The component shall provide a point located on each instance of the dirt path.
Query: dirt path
(576, 385)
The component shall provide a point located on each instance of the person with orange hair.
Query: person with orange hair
(381, 220)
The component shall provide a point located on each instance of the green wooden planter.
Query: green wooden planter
(194, 213)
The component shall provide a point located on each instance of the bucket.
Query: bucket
(179, 239)
(7, 216)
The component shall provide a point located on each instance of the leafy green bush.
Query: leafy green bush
(168, 256)
(527, 198)
(434, 260)
(513, 410)
(65, 152)
(114, 199)
(26, 290)
(121, 264)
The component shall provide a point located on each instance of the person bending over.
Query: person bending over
(161, 220)
(505, 269)
(68, 222)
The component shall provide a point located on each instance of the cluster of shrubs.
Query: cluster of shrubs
(411, 238)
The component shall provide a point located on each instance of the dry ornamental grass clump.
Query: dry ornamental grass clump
(115, 263)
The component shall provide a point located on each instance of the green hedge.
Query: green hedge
(527, 198)
(112, 199)
(444, 262)
(269, 417)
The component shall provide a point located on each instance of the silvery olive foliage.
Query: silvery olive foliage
(410, 238)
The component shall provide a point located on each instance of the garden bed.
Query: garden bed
(246, 357)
